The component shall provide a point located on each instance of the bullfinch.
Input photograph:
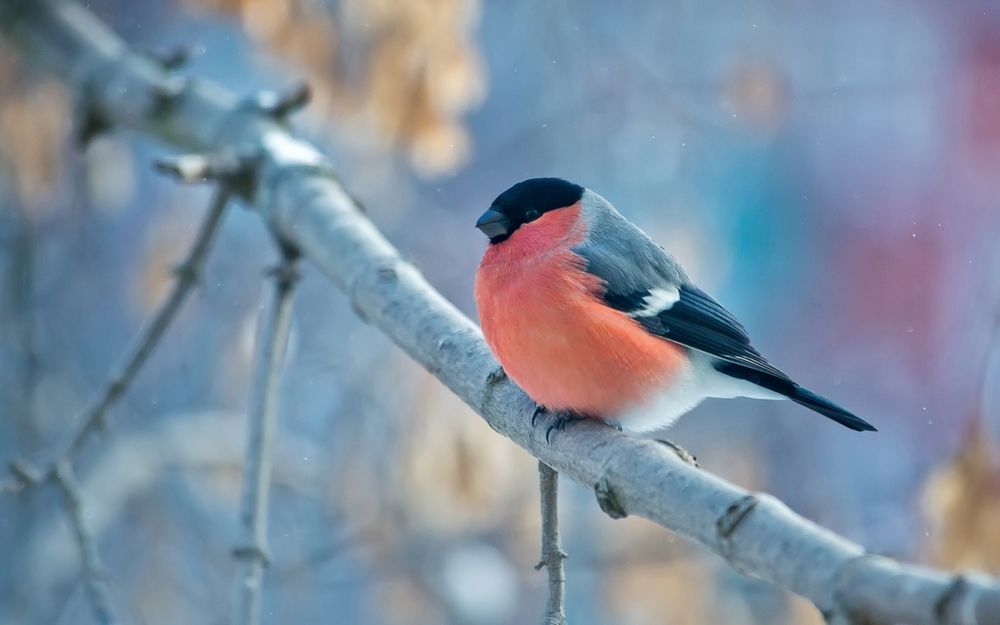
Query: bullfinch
(592, 319)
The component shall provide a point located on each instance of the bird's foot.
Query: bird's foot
(559, 422)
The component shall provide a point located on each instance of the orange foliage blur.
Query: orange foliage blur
(961, 501)
(408, 70)
(34, 116)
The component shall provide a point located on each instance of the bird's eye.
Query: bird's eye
(531, 214)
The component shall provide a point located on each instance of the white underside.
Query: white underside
(700, 381)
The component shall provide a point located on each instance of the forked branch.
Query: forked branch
(58, 470)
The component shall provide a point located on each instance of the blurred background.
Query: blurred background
(830, 171)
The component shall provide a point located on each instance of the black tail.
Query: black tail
(827, 408)
(797, 394)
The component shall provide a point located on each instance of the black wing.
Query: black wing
(697, 321)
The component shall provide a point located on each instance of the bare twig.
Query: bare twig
(94, 574)
(59, 470)
(272, 341)
(18, 331)
(302, 202)
(552, 553)
(92, 419)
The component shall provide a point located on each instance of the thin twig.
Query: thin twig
(92, 419)
(272, 342)
(59, 470)
(94, 574)
(552, 553)
(188, 275)
(20, 331)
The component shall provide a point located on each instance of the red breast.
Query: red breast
(545, 321)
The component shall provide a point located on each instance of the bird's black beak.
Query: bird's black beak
(495, 225)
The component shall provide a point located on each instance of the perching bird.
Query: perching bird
(591, 318)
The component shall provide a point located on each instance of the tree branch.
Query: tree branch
(552, 553)
(301, 201)
(59, 470)
(272, 342)
(92, 419)
(94, 573)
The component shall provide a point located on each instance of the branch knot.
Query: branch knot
(607, 499)
(727, 524)
(25, 474)
(280, 105)
(552, 558)
(285, 272)
(957, 604)
(252, 552)
(496, 376)
(166, 93)
(682, 453)
(175, 58)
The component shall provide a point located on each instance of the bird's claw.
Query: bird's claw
(538, 411)
(559, 422)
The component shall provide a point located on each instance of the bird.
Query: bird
(594, 320)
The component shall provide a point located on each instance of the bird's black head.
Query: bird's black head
(525, 202)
